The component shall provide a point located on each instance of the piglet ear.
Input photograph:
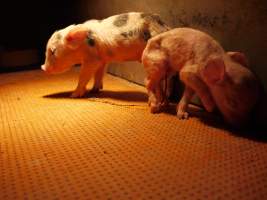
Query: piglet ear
(239, 58)
(76, 36)
(214, 71)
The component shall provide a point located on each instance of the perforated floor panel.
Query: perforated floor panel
(109, 146)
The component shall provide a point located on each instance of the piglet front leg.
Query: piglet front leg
(183, 104)
(154, 91)
(86, 74)
(98, 82)
(154, 100)
(190, 78)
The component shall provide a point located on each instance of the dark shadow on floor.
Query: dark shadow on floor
(132, 96)
(251, 131)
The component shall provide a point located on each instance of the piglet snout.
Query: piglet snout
(45, 69)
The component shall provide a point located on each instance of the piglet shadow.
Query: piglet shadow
(60, 95)
(194, 110)
(251, 131)
(132, 96)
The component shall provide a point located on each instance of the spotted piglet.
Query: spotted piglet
(96, 43)
(221, 79)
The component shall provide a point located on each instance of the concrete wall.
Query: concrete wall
(237, 24)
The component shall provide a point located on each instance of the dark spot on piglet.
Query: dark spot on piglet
(90, 39)
(130, 33)
(124, 34)
(146, 35)
(145, 15)
(91, 42)
(121, 20)
(152, 17)
(157, 19)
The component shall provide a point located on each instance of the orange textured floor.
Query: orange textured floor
(110, 147)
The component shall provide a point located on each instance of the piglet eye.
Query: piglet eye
(53, 51)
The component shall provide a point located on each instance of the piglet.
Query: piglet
(221, 79)
(95, 43)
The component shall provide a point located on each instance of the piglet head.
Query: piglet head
(233, 86)
(63, 49)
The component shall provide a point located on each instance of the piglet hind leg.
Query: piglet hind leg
(166, 86)
(86, 74)
(98, 82)
(183, 103)
(190, 78)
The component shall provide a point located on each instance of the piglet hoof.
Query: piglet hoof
(155, 109)
(182, 115)
(150, 101)
(95, 90)
(77, 94)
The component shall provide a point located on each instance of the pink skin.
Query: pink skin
(73, 50)
(94, 44)
(220, 79)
